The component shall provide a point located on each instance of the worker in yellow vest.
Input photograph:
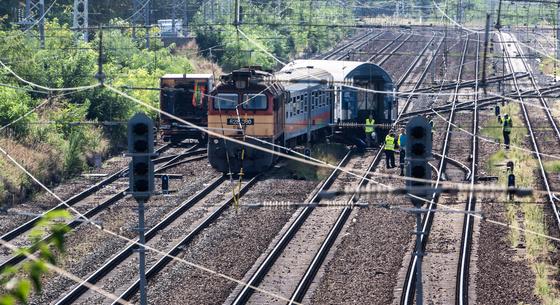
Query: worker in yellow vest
(369, 130)
(506, 128)
(390, 150)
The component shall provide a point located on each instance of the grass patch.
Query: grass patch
(330, 153)
(538, 248)
(552, 166)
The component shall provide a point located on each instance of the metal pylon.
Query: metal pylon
(34, 15)
(179, 9)
(142, 16)
(80, 23)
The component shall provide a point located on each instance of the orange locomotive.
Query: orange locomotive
(269, 110)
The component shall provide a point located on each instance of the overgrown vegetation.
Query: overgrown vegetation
(330, 153)
(62, 138)
(538, 248)
(293, 29)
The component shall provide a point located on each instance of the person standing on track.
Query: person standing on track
(402, 143)
(506, 128)
(369, 128)
(390, 150)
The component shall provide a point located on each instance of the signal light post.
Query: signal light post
(418, 152)
(141, 180)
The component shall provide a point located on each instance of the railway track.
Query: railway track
(394, 50)
(408, 288)
(175, 220)
(384, 48)
(309, 222)
(337, 53)
(542, 127)
(323, 225)
(463, 267)
(19, 235)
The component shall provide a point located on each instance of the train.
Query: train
(300, 103)
(184, 96)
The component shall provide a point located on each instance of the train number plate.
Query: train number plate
(236, 121)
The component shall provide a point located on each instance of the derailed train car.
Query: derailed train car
(261, 108)
(297, 104)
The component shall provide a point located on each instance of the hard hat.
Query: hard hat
(506, 115)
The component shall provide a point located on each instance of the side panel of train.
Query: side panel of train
(298, 118)
(184, 96)
(272, 116)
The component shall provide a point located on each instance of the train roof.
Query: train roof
(342, 71)
(187, 76)
(300, 78)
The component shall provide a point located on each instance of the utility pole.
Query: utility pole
(80, 20)
(459, 16)
(34, 15)
(309, 99)
(498, 25)
(557, 39)
(100, 76)
(142, 16)
(486, 38)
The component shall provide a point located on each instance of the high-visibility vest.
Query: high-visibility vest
(507, 125)
(369, 125)
(389, 143)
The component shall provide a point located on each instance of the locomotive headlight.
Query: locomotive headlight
(216, 141)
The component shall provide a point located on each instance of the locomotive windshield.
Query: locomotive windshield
(254, 102)
(225, 101)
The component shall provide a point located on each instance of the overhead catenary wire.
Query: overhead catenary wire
(117, 235)
(65, 273)
(529, 231)
(352, 172)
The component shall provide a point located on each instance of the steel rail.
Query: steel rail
(534, 142)
(338, 50)
(19, 257)
(384, 48)
(462, 285)
(423, 74)
(414, 63)
(318, 259)
(72, 200)
(455, 162)
(360, 45)
(128, 251)
(407, 295)
(270, 259)
(384, 59)
(471, 83)
(177, 248)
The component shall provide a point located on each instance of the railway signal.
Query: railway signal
(141, 148)
(418, 152)
(141, 180)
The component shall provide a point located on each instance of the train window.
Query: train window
(225, 101)
(255, 102)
